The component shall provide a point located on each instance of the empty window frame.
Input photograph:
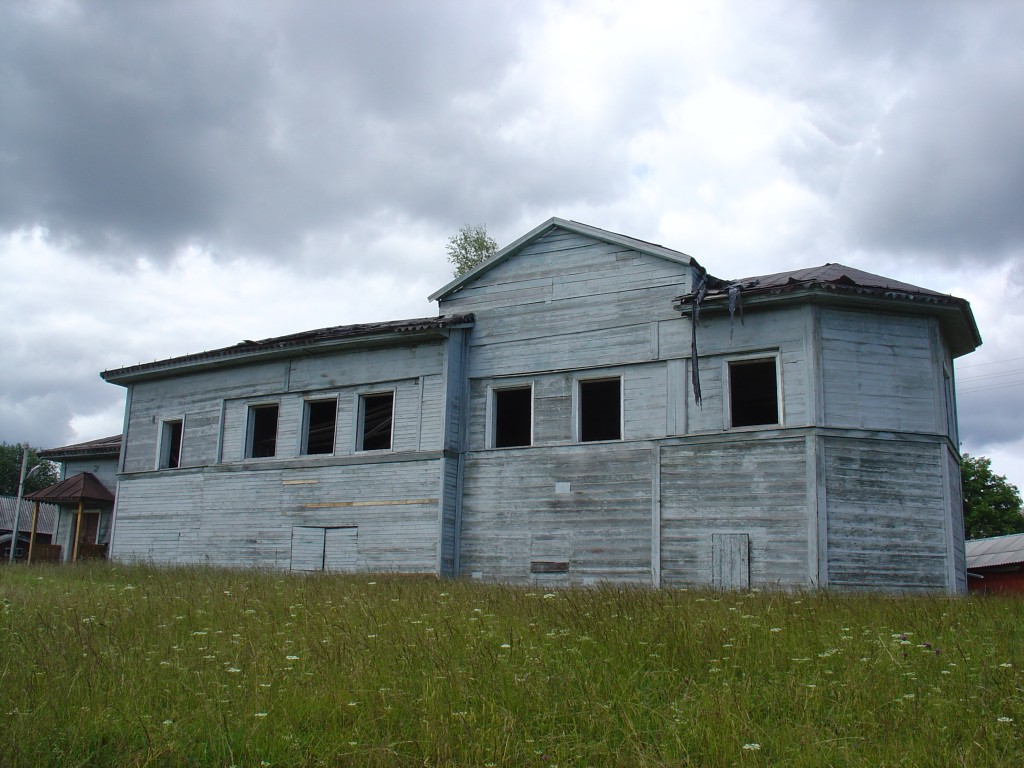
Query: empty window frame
(512, 411)
(376, 417)
(170, 443)
(753, 392)
(261, 432)
(318, 426)
(599, 409)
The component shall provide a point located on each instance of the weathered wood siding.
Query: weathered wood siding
(886, 514)
(568, 301)
(105, 469)
(880, 372)
(213, 404)
(756, 487)
(569, 515)
(244, 516)
(222, 508)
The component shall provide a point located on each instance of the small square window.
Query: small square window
(600, 410)
(376, 419)
(321, 417)
(513, 416)
(170, 443)
(261, 434)
(753, 393)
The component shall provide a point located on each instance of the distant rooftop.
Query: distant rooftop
(998, 550)
(104, 446)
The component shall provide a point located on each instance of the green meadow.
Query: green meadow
(106, 665)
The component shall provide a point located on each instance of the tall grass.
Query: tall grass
(104, 665)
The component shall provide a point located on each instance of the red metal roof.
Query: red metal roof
(84, 486)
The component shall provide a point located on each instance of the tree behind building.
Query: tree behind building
(470, 247)
(992, 505)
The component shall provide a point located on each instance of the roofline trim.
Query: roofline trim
(383, 334)
(575, 227)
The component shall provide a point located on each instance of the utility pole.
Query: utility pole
(17, 506)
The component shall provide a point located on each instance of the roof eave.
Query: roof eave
(231, 357)
(954, 314)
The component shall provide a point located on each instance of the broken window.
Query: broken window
(513, 416)
(320, 420)
(376, 418)
(753, 392)
(600, 410)
(261, 433)
(170, 443)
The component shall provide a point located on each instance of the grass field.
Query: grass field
(103, 665)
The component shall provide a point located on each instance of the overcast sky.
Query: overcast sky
(179, 176)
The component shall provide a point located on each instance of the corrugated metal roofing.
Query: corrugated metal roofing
(84, 486)
(998, 550)
(320, 336)
(104, 446)
(47, 515)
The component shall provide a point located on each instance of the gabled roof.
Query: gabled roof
(84, 486)
(848, 284)
(320, 340)
(104, 446)
(998, 550)
(575, 227)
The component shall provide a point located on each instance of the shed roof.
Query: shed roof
(47, 515)
(104, 446)
(652, 249)
(84, 486)
(848, 284)
(997, 550)
(321, 339)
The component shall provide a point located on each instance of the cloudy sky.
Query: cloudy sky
(180, 176)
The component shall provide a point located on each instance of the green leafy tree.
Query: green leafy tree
(10, 470)
(992, 505)
(470, 247)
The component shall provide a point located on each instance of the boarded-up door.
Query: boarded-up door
(340, 549)
(324, 549)
(307, 548)
(730, 561)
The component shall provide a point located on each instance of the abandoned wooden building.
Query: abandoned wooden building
(585, 408)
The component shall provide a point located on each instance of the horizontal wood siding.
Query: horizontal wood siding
(104, 469)
(779, 331)
(755, 487)
(644, 396)
(202, 398)
(569, 298)
(879, 372)
(245, 517)
(513, 514)
(886, 514)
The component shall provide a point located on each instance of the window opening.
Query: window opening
(513, 417)
(753, 393)
(321, 419)
(377, 420)
(600, 410)
(170, 444)
(262, 432)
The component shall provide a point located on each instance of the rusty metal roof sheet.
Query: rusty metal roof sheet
(849, 283)
(998, 550)
(104, 446)
(84, 486)
(324, 337)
